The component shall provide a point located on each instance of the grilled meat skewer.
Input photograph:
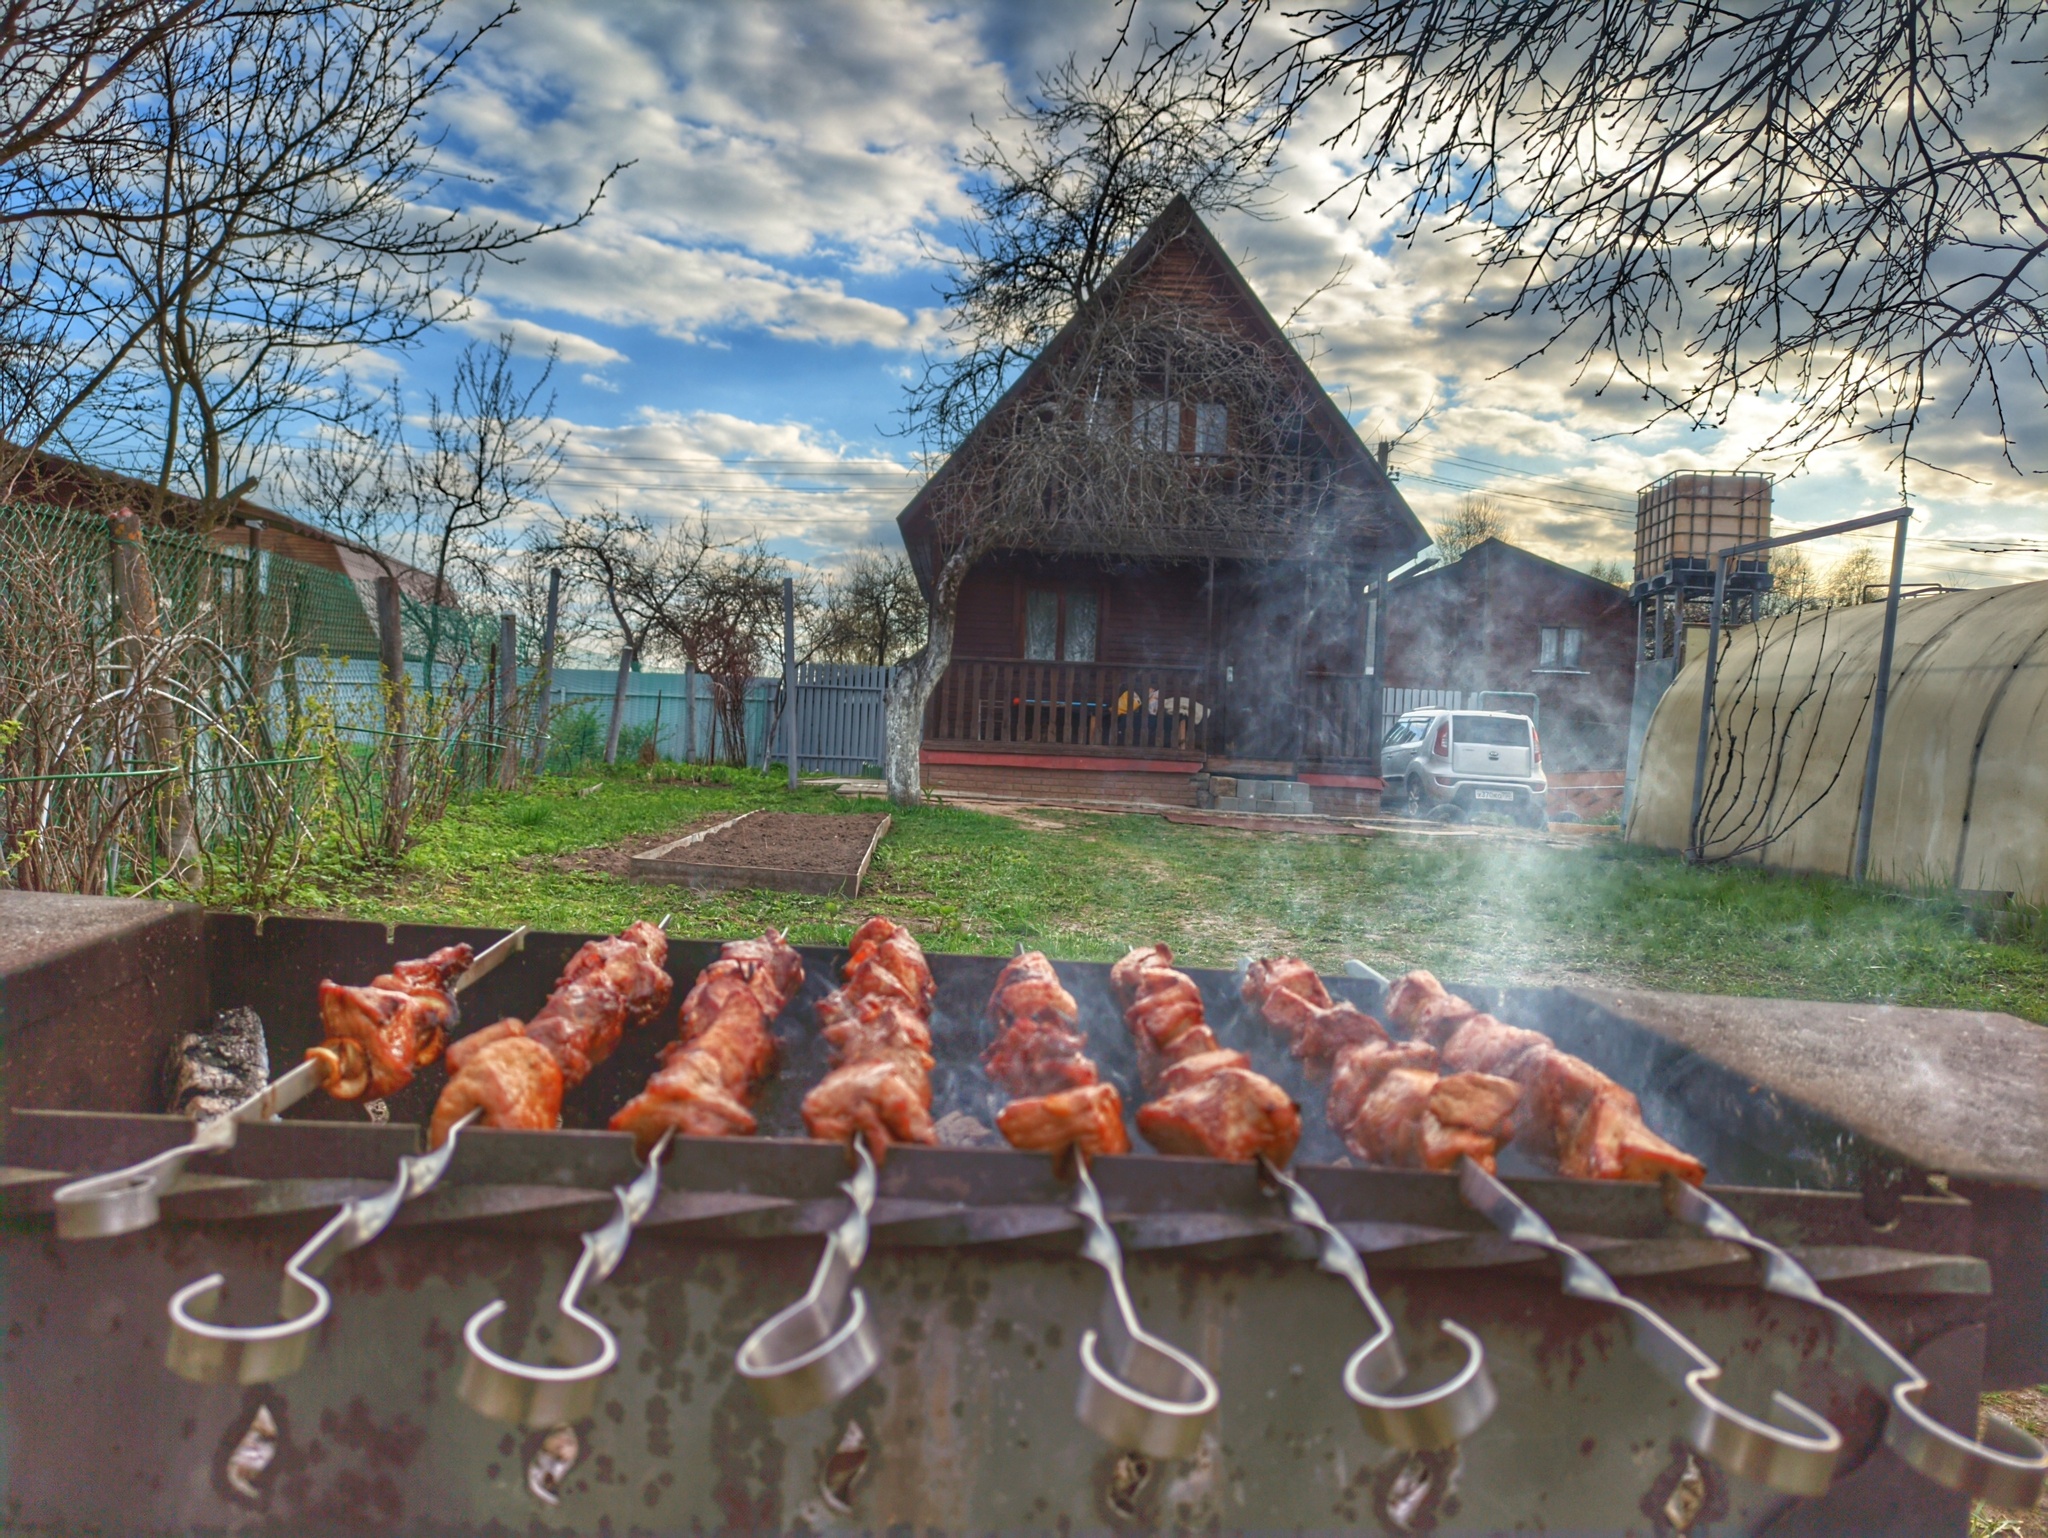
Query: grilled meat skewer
(1210, 1102)
(1038, 1056)
(375, 1037)
(708, 1077)
(1570, 1111)
(516, 1071)
(1390, 1104)
(878, 1022)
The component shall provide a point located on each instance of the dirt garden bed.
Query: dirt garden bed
(826, 854)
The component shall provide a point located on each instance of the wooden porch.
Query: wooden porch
(1159, 713)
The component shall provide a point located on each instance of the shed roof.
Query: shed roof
(1376, 520)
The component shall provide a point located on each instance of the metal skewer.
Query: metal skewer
(1795, 1452)
(523, 1395)
(2012, 1471)
(1433, 1418)
(1151, 1398)
(206, 1352)
(125, 1200)
(807, 1355)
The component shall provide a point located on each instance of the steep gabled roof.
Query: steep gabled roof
(1394, 533)
(1491, 551)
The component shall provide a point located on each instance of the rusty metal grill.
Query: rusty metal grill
(977, 1286)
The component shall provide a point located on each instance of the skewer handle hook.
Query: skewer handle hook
(524, 1395)
(1433, 1418)
(1794, 1451)
(808, 1355)
(205, 1352)
(2012, 1471)
(1137, 1392)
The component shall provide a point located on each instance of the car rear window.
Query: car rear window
(1491, 731)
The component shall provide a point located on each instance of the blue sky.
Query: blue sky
(737, 321)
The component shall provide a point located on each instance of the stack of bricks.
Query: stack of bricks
(1273, 798)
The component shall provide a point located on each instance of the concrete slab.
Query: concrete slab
(1962, 1092)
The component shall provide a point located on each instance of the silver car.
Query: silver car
(1475, 760)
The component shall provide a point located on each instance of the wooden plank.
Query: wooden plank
(874, 843)
(667, 850)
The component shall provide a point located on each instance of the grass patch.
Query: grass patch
(1086, 885)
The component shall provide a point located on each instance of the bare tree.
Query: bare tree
(1705, 200)
(1085, 169)
(868, 611)
(1063, 189)
(1613, 572)
(730, 627)
(1850, 579)
(489, 456)
(1478, 519)
(1793, 584)
(645, 580)
(256, 201)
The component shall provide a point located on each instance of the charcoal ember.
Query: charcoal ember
(211, 1071)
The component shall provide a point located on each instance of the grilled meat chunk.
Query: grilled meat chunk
(1231, 1113)
(1210, 1100)
(634, 963)
(1090, 1118)
(1390, 1104)
(878, 1022)
(1397, 1109)
(1570, 1113)
(606, 986)
(1040, 1059)
(515, 1082)
(375, 1038)
(710, 1076)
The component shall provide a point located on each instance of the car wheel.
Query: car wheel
(1413, 801)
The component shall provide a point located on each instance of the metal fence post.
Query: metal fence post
(1866, 806)
(611, 736)
(391, 655)
(789, 673)
(1696, 841)
(508, 694)
(547, 671)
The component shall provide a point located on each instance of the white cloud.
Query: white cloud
(790, 160)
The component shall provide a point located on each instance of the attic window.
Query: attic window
(1212, 429)
(1155, 424)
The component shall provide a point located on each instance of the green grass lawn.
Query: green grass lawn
(1087, 885)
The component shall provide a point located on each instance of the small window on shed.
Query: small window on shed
(1559, 647)
(1212, 429)
(1061, 624)
(1155, 424)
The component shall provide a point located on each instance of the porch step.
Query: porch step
(1270, 798)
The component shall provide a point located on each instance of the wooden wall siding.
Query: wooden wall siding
(1107, 784)
(1476, 625)
(1104, 708)
(1150, 613)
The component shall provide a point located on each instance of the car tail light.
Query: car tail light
(1442, 746)
(1536, 743)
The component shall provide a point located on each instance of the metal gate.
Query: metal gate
(840, 717)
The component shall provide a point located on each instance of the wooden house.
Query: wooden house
(1102, 656)
(1505, 629)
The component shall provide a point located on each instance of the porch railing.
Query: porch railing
(1074, 706)
(1337, 724)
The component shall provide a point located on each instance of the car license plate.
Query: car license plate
(1493, 795)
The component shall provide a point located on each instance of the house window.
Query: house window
(1559, 648)
(1061, 624)
(1212, 429)
(1155, 424)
